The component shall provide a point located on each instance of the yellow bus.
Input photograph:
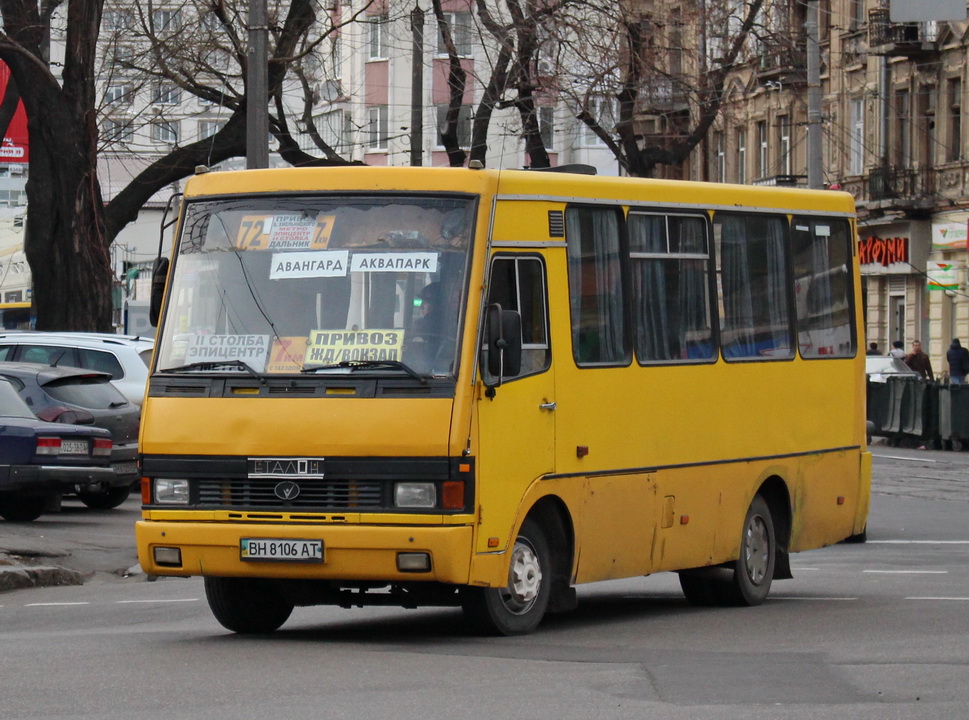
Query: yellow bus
(481, 388)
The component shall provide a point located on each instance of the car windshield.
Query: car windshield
(319, 284)
(11, 404)
(886, 365)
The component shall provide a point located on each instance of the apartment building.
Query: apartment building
(893, 136)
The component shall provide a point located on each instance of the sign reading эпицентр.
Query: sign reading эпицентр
(333, 346)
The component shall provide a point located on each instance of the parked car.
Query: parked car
(125, 357)
(881, 367)
(40, 460)
(71, 395)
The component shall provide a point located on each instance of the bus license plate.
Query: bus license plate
(279, 550)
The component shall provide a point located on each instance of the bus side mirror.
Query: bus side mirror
(503, 343)
(159, 276)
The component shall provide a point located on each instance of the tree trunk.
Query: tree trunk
(64, 241)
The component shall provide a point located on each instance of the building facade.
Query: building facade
(893, 136)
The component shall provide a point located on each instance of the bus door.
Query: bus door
(517, 423)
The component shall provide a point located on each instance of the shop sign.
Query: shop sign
(949, 236)
(877, 252)
(942, 276)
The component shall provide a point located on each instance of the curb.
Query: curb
(26, 576)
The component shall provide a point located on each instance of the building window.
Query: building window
(116, 19)
(377, 124)
(118, 95)
(903, 129)
(335, 128)
(166, 94)
(165, 131)
(117, 130)
(603, 110)
(856, 19)
(377, 26)
(464, 125)
(165, 20)
(208, 128)
(546, 125)
(953, 146)
(784, 143)
(460, 26)
(762, 168)
(742, 155)
(721, 158)
(856, 137)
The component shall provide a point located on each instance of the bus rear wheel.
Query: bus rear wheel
(246, 605)
(749, 580)
(518, 608)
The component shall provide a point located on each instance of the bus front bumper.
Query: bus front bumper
(349, 552)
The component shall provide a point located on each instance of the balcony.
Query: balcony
(900, 188)
(782, 63)
(911, 40)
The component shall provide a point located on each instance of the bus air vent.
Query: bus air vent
(556, 223)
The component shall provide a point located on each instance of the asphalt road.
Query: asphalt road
(877, 630)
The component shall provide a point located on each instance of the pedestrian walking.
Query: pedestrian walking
(898, 350)
(919, 361)
(958, 359)
(873, 349)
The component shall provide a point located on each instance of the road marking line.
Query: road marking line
(961, 599)
(908, 572)
(918, 542)
(805, 597)
(176, 600)
(910, 459)
(55, 604)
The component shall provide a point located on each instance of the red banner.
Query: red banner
(15, 147)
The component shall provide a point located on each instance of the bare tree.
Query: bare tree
(70, 228)
(669, 66)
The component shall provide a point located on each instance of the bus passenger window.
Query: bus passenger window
(755, 319)
(821, 249)
(670, 286)
(518, 283)
(595, 286)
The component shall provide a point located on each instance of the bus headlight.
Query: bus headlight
(415, 495)
(170, 492)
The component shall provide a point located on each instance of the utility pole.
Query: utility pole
(815, 157)
(417, 88)
(257, 92)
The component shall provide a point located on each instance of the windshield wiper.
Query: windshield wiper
(215, 365)
(369, 364)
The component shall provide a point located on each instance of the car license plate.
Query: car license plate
(126, 468)
(74, 447)
(278, 550)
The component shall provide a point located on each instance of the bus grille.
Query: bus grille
(317, 494)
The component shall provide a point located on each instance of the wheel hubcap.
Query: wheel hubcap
(757, 549)
(524, 578)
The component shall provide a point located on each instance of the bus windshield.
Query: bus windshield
(319, 284)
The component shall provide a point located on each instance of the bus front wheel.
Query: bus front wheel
(749, 578)
(246, 605)
(518, 608)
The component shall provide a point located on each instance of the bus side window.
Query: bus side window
(594, 238)
(755, 317)
(823, 288)
(518, 283)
